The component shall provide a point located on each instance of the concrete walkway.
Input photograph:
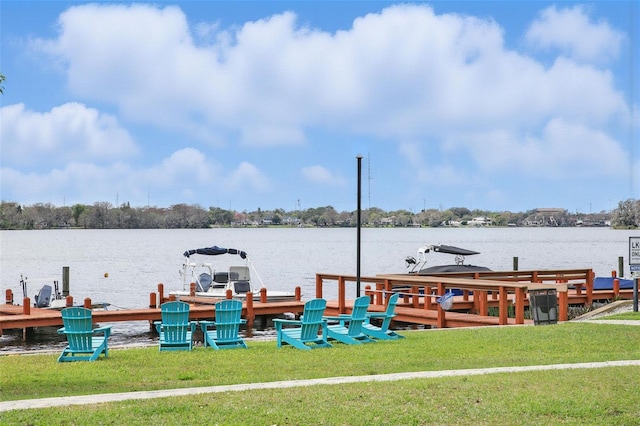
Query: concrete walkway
(166, 393)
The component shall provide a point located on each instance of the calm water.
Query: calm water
(137, 260)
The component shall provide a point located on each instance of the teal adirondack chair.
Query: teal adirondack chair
(303, 333)
(227, 326)
(85, 343)
(348, 328)
(382, 332)
(175, 329)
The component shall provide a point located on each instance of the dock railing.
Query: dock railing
(419, 292)
(580, 279)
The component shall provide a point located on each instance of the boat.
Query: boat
(49, 297)
(214, 282)
(606, 283)
(419, 265)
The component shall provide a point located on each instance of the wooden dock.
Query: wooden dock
(504, 292)
(26, 316)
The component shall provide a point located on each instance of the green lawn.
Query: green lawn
(623, 316)
(594, 396)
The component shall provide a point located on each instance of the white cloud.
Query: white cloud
(575, 34)
(321, 175)
(75, 183)
(458, 104)
(186, 167)
(185, 175)
(561, 149)
(402, 73)
(70, 132)
(248, 176)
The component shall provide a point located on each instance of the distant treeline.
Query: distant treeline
(103, 215)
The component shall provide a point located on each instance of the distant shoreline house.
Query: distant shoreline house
(547, 217)
(479, 221)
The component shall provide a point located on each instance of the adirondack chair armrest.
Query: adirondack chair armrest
(379, 315)
(193, 325)
(280, 322)
(205, 324)
(342, 318)
(325, 328)
(106, 330)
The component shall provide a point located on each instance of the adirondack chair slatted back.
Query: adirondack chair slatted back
(358, 315)
(78, 326)
(311, 319)
(390, 312)
(228, 320)
(175, 322)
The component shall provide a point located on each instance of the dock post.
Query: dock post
(341, 295)
(616, 287)
(68, 301)
(621, 266)
(26, 306)
(428, 303)
(161, 293)
(87, 302)
(503, 306)
(298, 293)
(192, 289)
(440, 321)
(9, 297)
(520, 300)
(263, 295)
(318, 286)
(563, 306)
(152, 300)
(65, 280)
(250, 315)
(229, 294)
(590, 288)
(415, 297)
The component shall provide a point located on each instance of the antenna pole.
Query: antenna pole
(359, 157)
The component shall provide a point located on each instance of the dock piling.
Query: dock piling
(65, 280)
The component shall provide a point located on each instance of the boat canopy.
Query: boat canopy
(449, 250)
(215, 250)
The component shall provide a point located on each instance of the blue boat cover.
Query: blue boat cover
(606, 283)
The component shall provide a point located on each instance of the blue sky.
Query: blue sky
(245, 105)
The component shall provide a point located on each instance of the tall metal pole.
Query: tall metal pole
(359, 157)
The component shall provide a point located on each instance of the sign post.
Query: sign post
(634, 266)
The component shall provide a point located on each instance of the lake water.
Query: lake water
(137, 260)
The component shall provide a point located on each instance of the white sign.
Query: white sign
(634, 250)
(635, 274)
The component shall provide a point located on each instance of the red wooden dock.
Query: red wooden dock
(506, 291)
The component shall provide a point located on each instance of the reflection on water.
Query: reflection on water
(122, 267)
